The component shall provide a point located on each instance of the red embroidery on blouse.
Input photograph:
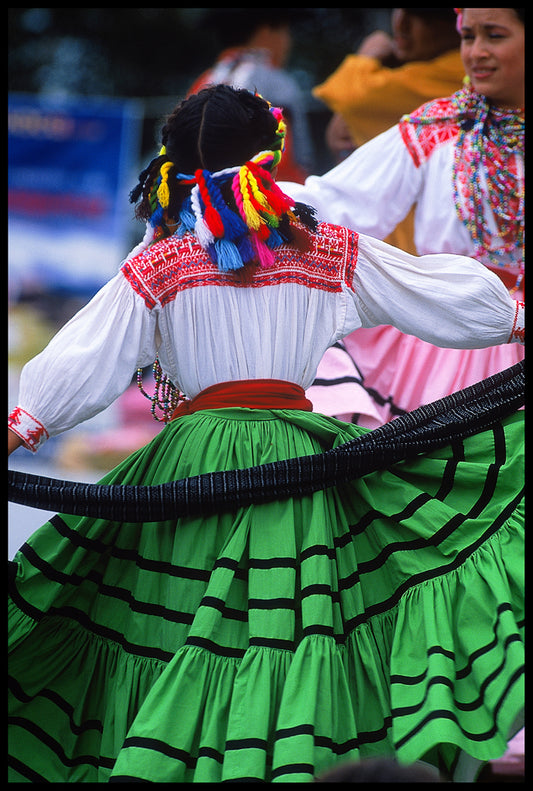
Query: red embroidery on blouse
(31, 436)
(518, 333)
(422, 139)
(175, 264)
(15, 416)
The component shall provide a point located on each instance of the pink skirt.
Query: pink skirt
(376, 374)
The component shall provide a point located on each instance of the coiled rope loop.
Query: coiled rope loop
(427, 428)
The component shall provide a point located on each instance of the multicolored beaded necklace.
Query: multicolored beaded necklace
(166, 396)
(487, 173)
(487, 170)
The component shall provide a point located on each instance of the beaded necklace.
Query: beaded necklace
(486, 171)
(166, 396)
(488, 178)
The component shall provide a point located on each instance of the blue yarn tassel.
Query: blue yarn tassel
(246, 249)
(234, 226)
(275, 239)
(228, 256)
(187, 217)
(157, 217)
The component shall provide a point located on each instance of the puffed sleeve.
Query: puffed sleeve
(374, 188)
(86, 365)
(448, 300)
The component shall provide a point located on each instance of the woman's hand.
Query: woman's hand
(338, 138)
(379, 45)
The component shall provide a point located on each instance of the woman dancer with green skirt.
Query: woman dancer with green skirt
(378, 617)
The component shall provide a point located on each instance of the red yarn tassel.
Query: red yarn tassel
(213, 221)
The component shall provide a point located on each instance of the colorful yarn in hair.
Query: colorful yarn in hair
(234, 227)
(278, 202)
(202, 232)
(163, 192)
(232, 238)
(187, 218)
(280, 133)
(261, 204)
(264, 253)
(211, 216)
(234, 248)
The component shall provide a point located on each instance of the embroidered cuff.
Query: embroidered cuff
(519, 324)
(31, 432)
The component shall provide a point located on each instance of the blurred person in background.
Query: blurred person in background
(459, 160)
(256, 46)
(390, 75)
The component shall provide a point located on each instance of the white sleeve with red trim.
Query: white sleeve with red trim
(371, 191)
(86, 365)
(518, 332)
(448, 300)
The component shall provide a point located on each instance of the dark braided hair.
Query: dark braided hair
(218, 128)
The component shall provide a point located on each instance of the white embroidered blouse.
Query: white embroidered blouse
(207, 327)
(375, 187)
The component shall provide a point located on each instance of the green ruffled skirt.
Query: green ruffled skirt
(381, 617)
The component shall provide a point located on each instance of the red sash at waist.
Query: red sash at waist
(252, 393)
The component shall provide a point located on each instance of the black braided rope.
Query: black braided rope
(427, 428)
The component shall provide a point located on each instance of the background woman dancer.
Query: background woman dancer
(460, 161)
(378, 617)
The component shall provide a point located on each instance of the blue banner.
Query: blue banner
(71, 165)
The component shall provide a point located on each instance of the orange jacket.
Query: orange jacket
(371, 98)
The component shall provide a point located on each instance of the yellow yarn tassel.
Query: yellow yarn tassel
(163, 192)
(252, 218)
(258, 195)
